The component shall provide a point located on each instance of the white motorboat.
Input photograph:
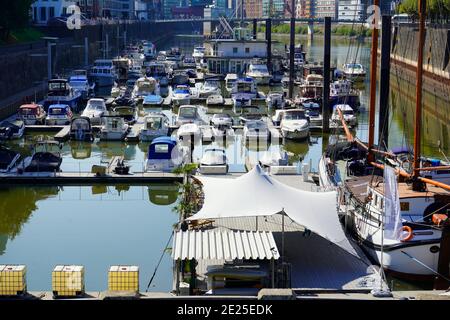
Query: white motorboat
(188, 131)
(198, 54)
(144, 87)
(155, 125)
(179, 77)
(230, 79)
(165, 154)
(222, 125)
(157, 70)
(59, 114)
(103, 73)
(188, 114)
(275, 100)
(215, 100)
(208, 88)
(259, 72)
(149, 50)
(244, 90)
(348, 114)
(32, 114)
(79, 81)
(214, 161)
(256, 130)
(60, 91)
(313, 113)
(354, 71)
(81, 129)
(274, 158)
(95, 110)
(294, 124)
(113, 128)
(182, 94)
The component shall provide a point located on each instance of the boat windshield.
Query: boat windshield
(28, 111)
(259, 68)
(95, 105)
(256, 125)
(245, 87)
(154, 123)
(57, 86)
(354, 66)
(57, 111)
(80, 124)
(182, 91)
(294, 115)
(188, 113)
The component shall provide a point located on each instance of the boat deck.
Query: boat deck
(316, 264)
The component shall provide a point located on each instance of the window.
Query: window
(43, 14)
(51, 12)
(404, 206)
(161, 148)
(247, 50)
(235, 50)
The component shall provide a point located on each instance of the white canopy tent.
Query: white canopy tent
(258, 194)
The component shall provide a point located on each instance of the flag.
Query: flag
(392, 214)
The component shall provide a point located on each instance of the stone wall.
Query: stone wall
(23, 68)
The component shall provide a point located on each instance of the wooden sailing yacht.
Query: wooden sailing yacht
(420, 245)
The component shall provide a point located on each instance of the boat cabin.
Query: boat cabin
(32, 113)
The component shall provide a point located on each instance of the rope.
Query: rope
(424, 265)
(159, 262)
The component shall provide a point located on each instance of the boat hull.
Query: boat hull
(295, 134)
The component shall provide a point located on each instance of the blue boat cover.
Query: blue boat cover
(157, 143)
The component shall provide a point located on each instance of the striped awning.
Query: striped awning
(224, 244)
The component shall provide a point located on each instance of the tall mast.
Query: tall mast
(373, 84)
(418, 122)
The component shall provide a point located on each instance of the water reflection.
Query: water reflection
(95, 226)
(18, 204)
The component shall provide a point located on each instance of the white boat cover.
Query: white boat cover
(258, 194)
(224, 244)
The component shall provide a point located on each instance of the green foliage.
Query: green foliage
(189, 194)
(349, 31)
(14, 15)
(436, 9)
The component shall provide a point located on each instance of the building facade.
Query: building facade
(273, 8)
(326, 8)
(352, 10)
(253, 8)
(44, 10)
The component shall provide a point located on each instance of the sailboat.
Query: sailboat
(376, 198)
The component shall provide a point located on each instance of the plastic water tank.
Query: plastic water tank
(305, 171)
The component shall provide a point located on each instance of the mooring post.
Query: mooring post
(383, 116)
(291, 51)
(269, 42)
(310, 29)
(326, 76)
(255, 28)
(49, 60)
(86, 51)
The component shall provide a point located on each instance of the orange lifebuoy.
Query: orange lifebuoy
(409, 232)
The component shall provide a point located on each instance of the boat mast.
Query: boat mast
(373, 85)
(419, 72)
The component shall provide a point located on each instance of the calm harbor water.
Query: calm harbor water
(103, 225)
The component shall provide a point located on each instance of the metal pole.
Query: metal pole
(418, 113)
(255, 28)
(373, 84)
(269, 42)
(291, 51)
(383, 116)
(282, 236)
(124, 39)
(49, 60)
(106, 45)
(326, 76)
(86, 51)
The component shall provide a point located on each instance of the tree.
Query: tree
(14, 15)
(189, 192)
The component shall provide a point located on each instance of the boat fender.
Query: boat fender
(409, 234)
